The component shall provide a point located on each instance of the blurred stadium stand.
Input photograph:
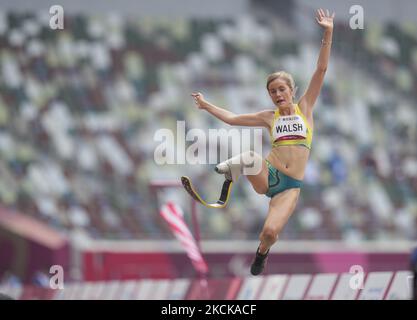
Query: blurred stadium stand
(79, 108)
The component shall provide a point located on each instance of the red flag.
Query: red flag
(175, 218)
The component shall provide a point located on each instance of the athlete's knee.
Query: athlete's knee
(269, 234)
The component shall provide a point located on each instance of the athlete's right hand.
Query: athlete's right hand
(199, 100)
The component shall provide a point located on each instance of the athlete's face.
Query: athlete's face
(280, 93)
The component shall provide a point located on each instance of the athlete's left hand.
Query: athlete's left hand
(324, 19)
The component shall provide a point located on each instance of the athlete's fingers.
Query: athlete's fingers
(196, 95)
(321, 14)
(328, 13)
(333, 14)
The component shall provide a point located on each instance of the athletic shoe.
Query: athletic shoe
(258, 263)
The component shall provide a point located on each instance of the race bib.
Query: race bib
(289, 128)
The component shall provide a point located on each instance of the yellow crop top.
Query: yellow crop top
(291, 130)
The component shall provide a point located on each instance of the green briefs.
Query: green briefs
(278, 182)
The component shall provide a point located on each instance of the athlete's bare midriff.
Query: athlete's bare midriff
(290, 160)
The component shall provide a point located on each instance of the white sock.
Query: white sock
(248, 163)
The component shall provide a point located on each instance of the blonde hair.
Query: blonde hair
(289, 80)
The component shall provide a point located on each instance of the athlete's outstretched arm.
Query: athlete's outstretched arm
(307, 101)
(258, 119)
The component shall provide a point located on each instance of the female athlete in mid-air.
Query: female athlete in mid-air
(290, 126)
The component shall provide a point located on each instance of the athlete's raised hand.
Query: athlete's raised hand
(324, 19)
(199, 100)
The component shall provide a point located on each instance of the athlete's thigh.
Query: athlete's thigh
(281, 208)
(260, 180)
